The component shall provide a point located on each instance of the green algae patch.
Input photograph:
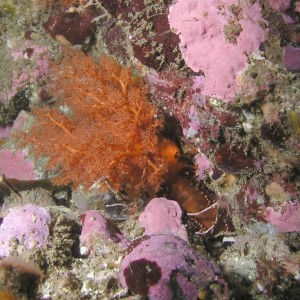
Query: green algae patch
(294, 118)
(8, 9)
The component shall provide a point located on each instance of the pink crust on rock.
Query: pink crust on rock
(163, 216)
(96, 227)
(291, 58)
(201, 24)
(280, 5)
(287, 219)
(155, 262)
(28, 224)
(15, 165)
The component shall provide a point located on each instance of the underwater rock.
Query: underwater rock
(20, 277)
(10, 110)
(273, 133)
(215, 37)
(233, 160)
(287, 219)
(280, 5)
(29, 225)
(76, 28)
(252, 257)
(15, 165)
(152, 41)
(163, 216)
(291, 58)
(165, 267)
(95, 228)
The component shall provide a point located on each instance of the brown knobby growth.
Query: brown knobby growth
(109, 133)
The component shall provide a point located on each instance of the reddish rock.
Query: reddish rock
(76, 28)
(233, 160)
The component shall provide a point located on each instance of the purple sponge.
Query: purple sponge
(27, 224)
(165, 267)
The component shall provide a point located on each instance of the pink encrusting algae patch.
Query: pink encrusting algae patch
(28, 224)
(287, 219)
(96, 227)
(15, 165)
(155, 262)
(216, 37)
(163, 216)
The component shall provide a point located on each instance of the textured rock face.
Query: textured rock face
(96, 228)
(287, 219)
(15, 165)
(216, 37)
(280, 5)
(155, 263)
(28, 225)
(163, 216)
(291, 58)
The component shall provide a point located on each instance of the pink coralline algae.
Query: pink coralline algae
(204, 166)
(291, 58)
(5, 131)
(280, 5)
(95, 228)
(285, 220)
(165, 267)
(173, 92)
(163, 216)
(216, 37)
(15, 165)
(29, 225)
(194, 123)
(17, 125)
(33, 72)
(161, 264)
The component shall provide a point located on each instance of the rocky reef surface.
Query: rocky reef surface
(149, 149)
